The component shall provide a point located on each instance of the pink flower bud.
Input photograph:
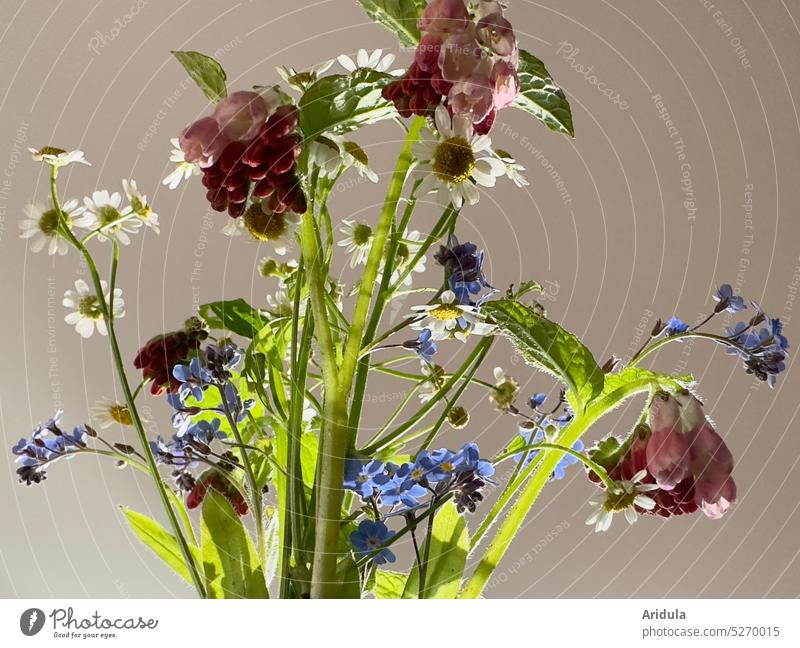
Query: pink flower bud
(505, 83)
(444, 17)
(692, 414)
(427, 54)
(668, 459)
(460, 56)
(712, 465)
(240, 115)
(202, 141)
(496, 33)
(473, 97)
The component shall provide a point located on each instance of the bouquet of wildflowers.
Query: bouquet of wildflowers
(269, 484)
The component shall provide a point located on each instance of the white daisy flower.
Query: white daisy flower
(332, 152)
(455, 161)
(357, 241)
(107, 412)
(269, 267)
(448, 318)
(281, 305)
(373, 60)
(88, 312)
(183, 169)
(623, 498)
(42, 227)
(104, 214)
(407, 249)
(270, 227)
(513, 170)
(300, 81)
(140, 206)
(57, 157)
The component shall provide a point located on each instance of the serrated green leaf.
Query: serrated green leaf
(235, 315)
(447, 557)
(341, 103)
(161, 542)
(546, 345)
(398, 16)
(541, 97)
(389, 584)
(205, 72)
(230, 562)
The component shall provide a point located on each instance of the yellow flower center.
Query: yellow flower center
(445, 312)
(121, 414)
(454, 161)
(48, 222)
(90, 307)
(107, 215)
(362, 234)
(264, 227)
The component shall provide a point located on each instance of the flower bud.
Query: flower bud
(444, 17)
(202, 142)
(240, 115)
(668, 458)
(496, 33)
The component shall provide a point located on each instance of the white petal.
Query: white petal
(443, 123)
(85, 327)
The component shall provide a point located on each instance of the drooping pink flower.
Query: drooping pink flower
(496, 33)
(668, 457)
(240, 115)
(427, 54)
(474, 95)
(712, 465)
(460, 55)
(505, 84)
(444, 17)
(202, 141)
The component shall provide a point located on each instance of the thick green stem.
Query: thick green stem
(126, 389)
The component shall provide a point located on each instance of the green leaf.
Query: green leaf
(235, 315)
(541, 97)
(341, 103)
(272, 553)
(447, 557)
(398, 16)
(348, 576)
(389, 584)
(230, 562)
(205, 72)
(546, 345)
(161, 542)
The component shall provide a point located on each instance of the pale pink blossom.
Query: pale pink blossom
(202, 142)
(668, 458)
(496, 33)
(712, 464)
(460, 55)
(505, 84)
(240, 115)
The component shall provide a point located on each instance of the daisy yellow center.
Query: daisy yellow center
(121, 414)
(107, 215)
(445, 312)
(50, 150)
(264, 227)
(619, 499)
(454, 161)
(48, 222)
(362, 234)
(89, 307)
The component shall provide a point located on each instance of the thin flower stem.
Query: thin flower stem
(426, 551)
(680, 336)
(255, 492)
(106, 309)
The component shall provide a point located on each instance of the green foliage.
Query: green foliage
(205, 72)
(230, 563)
(447, 557)
(541, 97)
(398, 16)
(341, 103)
(389, 584)
(161, 542)
(549, 347)
(235, 315)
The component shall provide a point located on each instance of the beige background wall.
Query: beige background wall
(620, 241)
